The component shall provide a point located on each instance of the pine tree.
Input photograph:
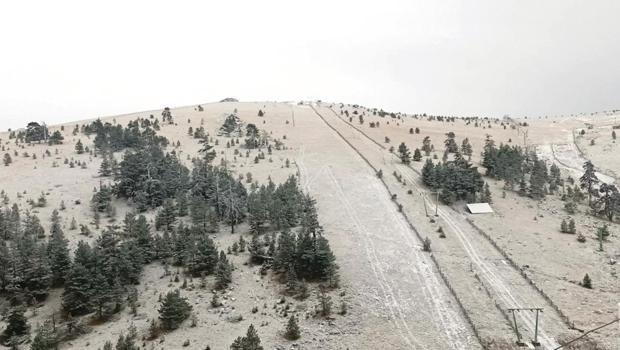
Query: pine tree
(291, 279)
(166, 216)
(223, 272)
(588, 180)
(79, 147)
(140, 232)
(427, 147)
(7, 159)
(608, 203)
(466, 148)
(105, 169)
(404, 154)
(251, 341)
(45, 339)
(292, 329)
(257, 251)
(417, 155)
(17, 324)
(208, 151)
(58, 254)
(174, 310)
(101, 292)
(126, 342)
(587, 282)
(428, 174)
(325, 303)
(204, 257)
(571, 226)
(563, 227)
(181, 205)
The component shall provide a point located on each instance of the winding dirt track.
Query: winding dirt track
(394, 280)
(506, 283)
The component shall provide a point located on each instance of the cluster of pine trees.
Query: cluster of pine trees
(520, 168)
(138, 133)
(305, 254)
(455, 180)
(30, 264)
(100, 277)
(148, 176)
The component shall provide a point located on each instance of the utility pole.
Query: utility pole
(436, 202)
(519, 342)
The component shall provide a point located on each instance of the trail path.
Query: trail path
(374, 241)
(505, 282)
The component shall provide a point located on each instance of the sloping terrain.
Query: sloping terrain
(394, 294)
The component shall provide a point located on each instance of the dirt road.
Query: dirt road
(504, 281)
(374, 243)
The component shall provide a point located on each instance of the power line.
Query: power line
(586, 333)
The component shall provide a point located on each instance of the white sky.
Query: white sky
(67, 60)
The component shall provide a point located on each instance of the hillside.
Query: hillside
(412, 269)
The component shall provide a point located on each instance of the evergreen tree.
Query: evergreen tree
(427, 147)
(291, 279)
(251, 341)
(404, 154)
(256, 250)
(450, 143)
(588, 180)
(31, 267)
(571, 226)
(126, 342)
(466, 148)
(56, 138)
(608, 203)
(292, 329)
(58, 254)
(102, 199)
(77, 294)
(36, 132)
(417, 155)
(105, 169)
(204, 257)
(7, 159)
(79, 147)
(181, 204)
(140, 232)
(587, 282)
(84, 255)
(174, 310)
(428, 174)
(207, 151)
(17, 324)
(538, 178)
(223, 272)
(102, 292)
(166, 216)
(45, 339)
(563, 227)
(32, 226)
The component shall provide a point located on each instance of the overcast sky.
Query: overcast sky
(69, 60)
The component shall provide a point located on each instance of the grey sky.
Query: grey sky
(68, 60)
